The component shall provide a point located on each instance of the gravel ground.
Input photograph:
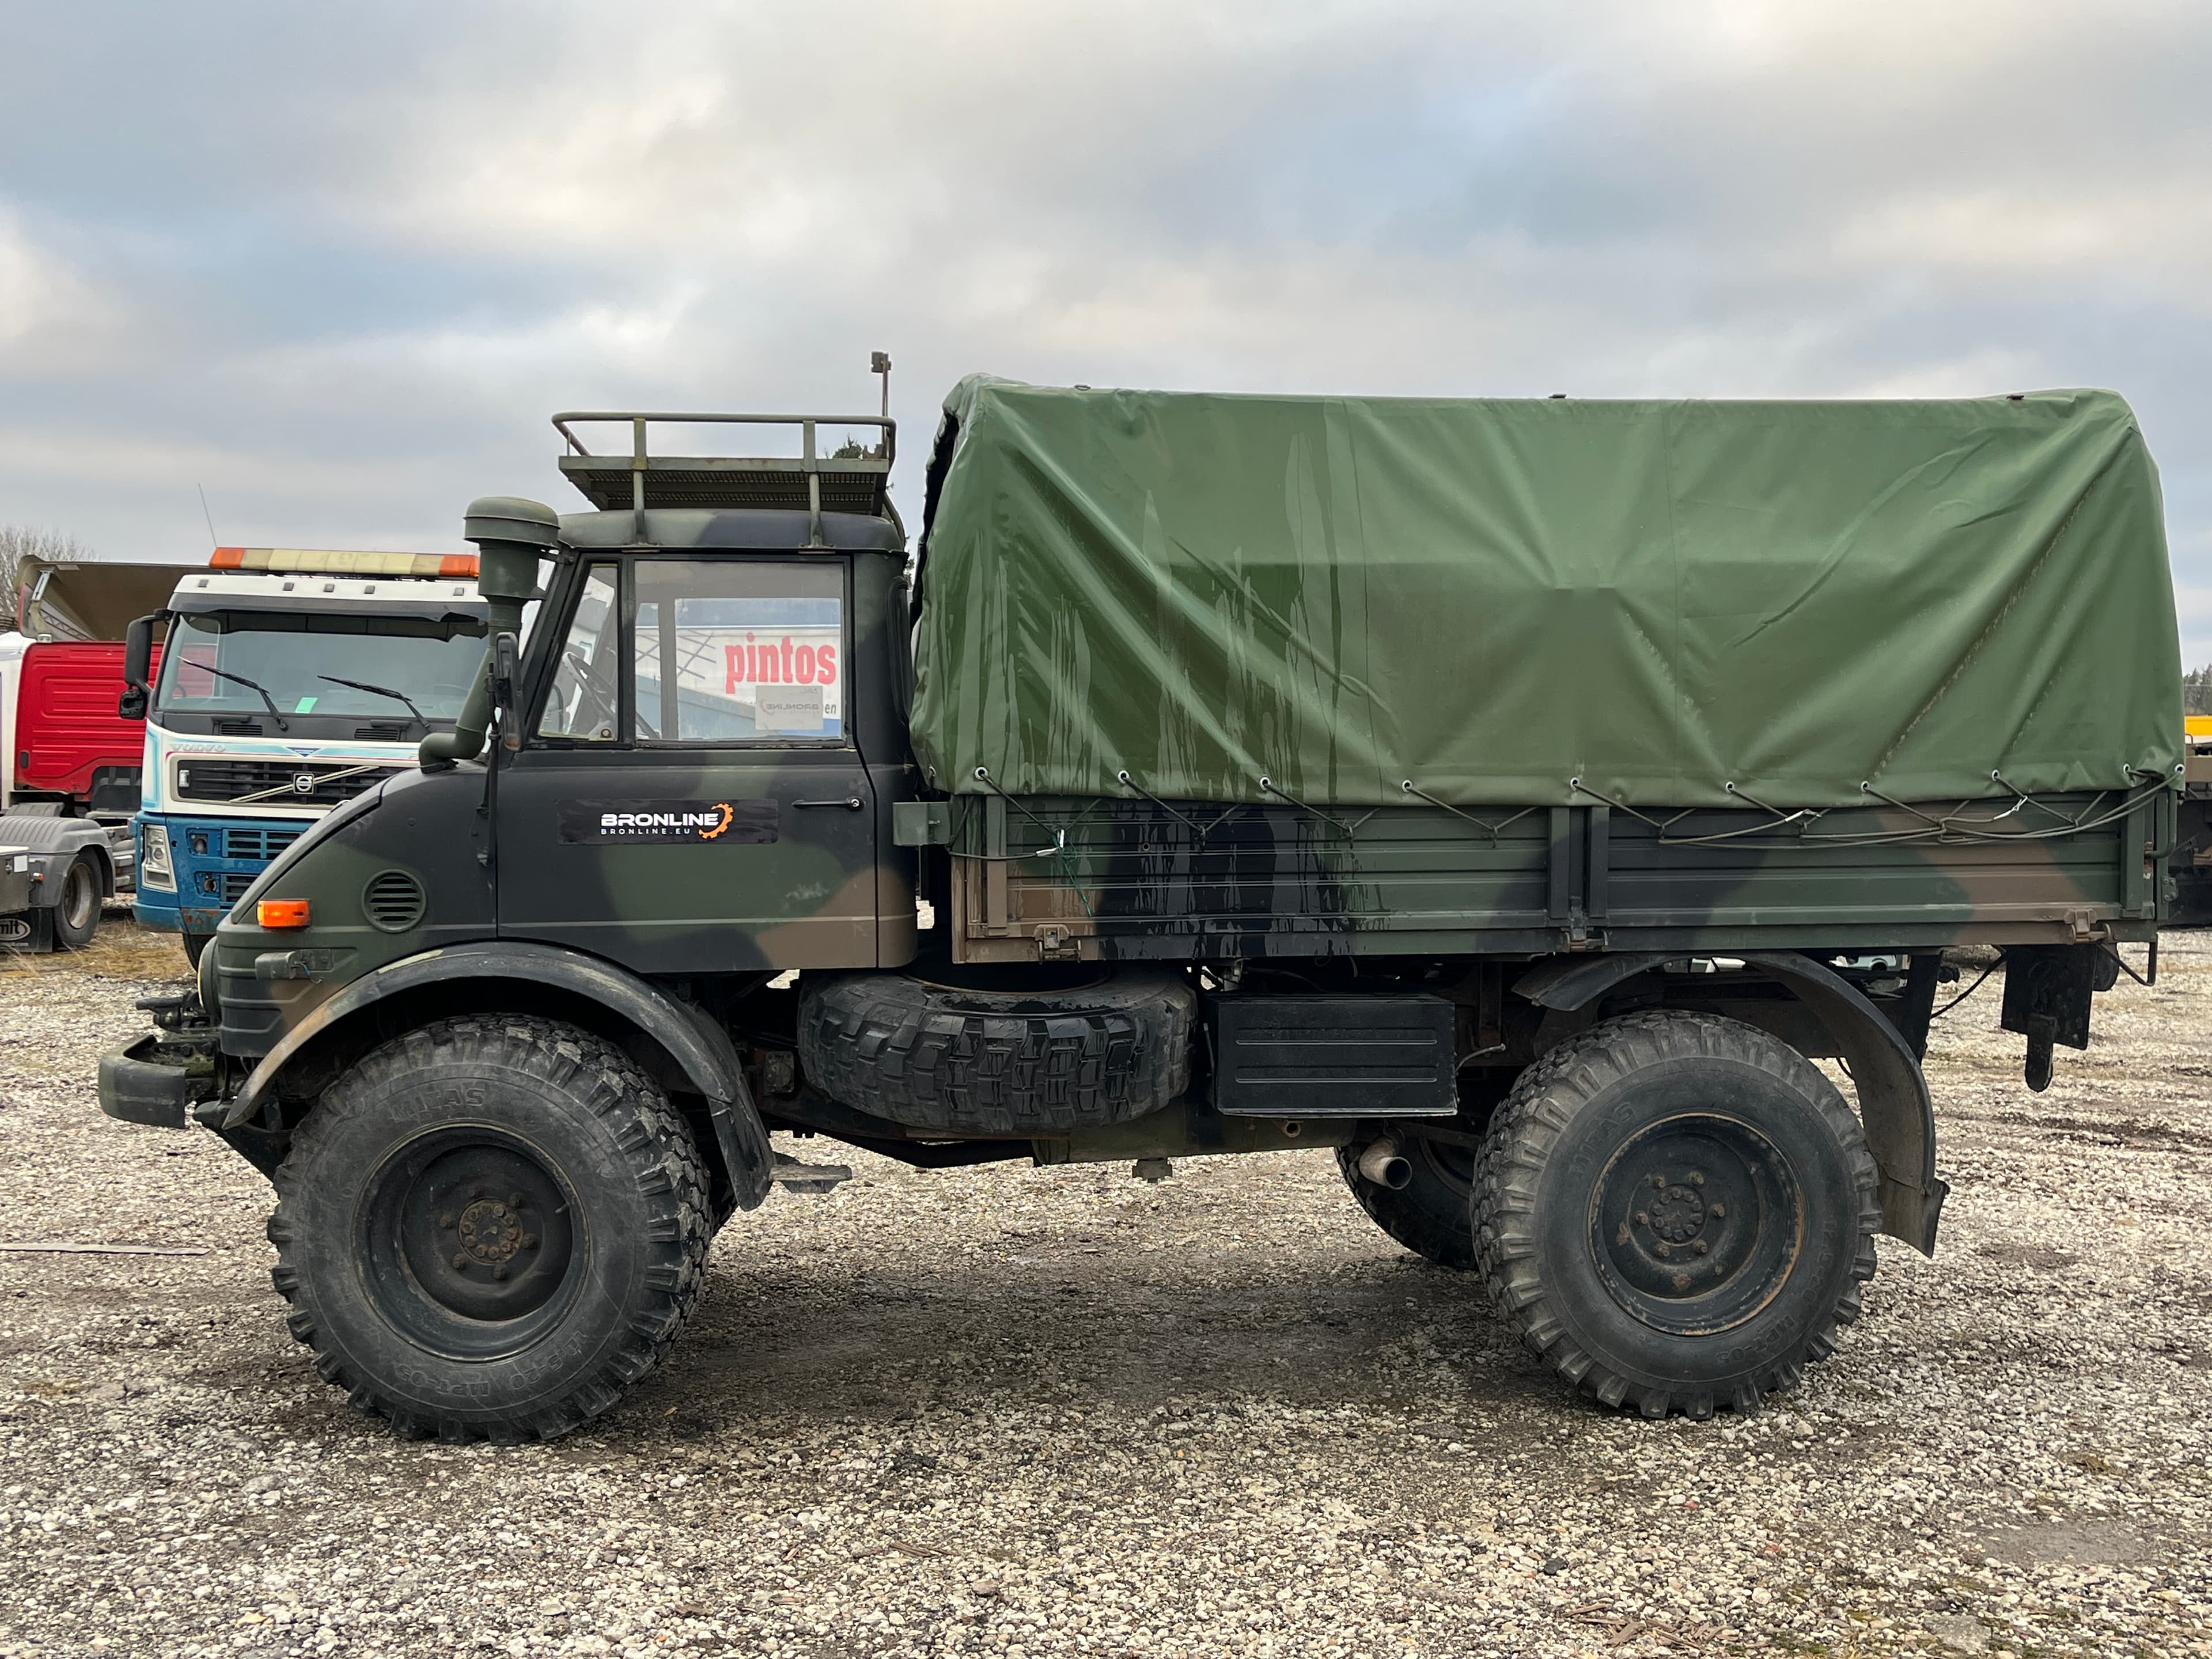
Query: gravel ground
(1017, 1413)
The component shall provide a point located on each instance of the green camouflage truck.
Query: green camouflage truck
(1510, 800)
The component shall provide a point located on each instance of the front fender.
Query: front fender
(702, 1051)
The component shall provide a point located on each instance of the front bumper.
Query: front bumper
(136, 1088)
(214, 860)
(159, 911)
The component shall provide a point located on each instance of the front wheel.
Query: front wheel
(489, 1228)
(1676, 1210)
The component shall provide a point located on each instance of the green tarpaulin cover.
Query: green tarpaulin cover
(1493, 599)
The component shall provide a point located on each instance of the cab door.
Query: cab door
(692, 799)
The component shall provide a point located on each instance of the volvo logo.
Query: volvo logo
(303, 783)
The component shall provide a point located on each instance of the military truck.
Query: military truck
(1516, 801)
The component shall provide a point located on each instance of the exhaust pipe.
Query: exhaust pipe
(511, 534)
(1385, 1165)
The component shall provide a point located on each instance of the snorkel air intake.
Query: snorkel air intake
(511, 534)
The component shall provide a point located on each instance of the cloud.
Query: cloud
(52, 320)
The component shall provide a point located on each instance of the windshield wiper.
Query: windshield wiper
(381, 691)
(251, 685)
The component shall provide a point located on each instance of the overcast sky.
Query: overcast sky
(335, 265)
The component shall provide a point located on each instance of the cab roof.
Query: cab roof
(220, 590)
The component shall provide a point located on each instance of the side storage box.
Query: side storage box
(1319, 1056)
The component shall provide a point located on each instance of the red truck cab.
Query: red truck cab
(63, 740)
(62, 745)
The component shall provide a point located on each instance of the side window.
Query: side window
(586, 690)
(740, 650)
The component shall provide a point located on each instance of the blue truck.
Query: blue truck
(291, 680)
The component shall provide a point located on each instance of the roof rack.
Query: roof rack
(809, 481)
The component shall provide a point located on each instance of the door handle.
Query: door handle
(851, 803)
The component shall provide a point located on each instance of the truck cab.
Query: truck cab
(291, 680)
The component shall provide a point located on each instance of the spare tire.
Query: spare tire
(980, 1062)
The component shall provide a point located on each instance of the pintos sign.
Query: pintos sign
(807, 657)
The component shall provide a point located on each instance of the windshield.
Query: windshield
(273, 668)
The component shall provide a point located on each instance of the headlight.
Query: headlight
(155, 869)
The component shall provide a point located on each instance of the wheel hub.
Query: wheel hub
(1677, 1215)
(1696, 1223)
(489, 1233)
(475, 1227)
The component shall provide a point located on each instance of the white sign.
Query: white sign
(788, 710)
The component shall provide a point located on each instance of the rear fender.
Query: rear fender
(702, 1051)
(52, 843)
(1895, 1105)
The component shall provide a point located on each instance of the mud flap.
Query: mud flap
(2046, 999)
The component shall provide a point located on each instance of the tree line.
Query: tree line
(19, 542)
(2196, 690)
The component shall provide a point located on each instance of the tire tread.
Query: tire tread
(967, 1063)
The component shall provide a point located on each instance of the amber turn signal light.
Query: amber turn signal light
(282, 913)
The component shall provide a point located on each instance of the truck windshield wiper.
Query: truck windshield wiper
(251, 685)
(381, 691)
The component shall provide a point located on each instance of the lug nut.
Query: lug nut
(1658, 1184)
(1643, 1218)
(1621, 1237)
(476, 1192)
(530, 1241)
(1717, 1211)
(1663, 1249)
(1701, 1247)
(446, 1221)
(499, 1273)
(515, 1200)
(460, 1262)
(1697, 1178)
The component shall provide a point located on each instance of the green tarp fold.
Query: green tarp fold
(1495, 598)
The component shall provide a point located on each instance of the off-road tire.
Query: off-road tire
(994, 1062)
(76, 913)
(1432, 1215)
(1562, 1267)
(632, 1241)
(196, 946)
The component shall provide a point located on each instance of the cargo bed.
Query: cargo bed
(1121, 880)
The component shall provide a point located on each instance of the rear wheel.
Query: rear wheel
(491, 1227)
(1676, 1210)
(76, 914)
(1430, 1215)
